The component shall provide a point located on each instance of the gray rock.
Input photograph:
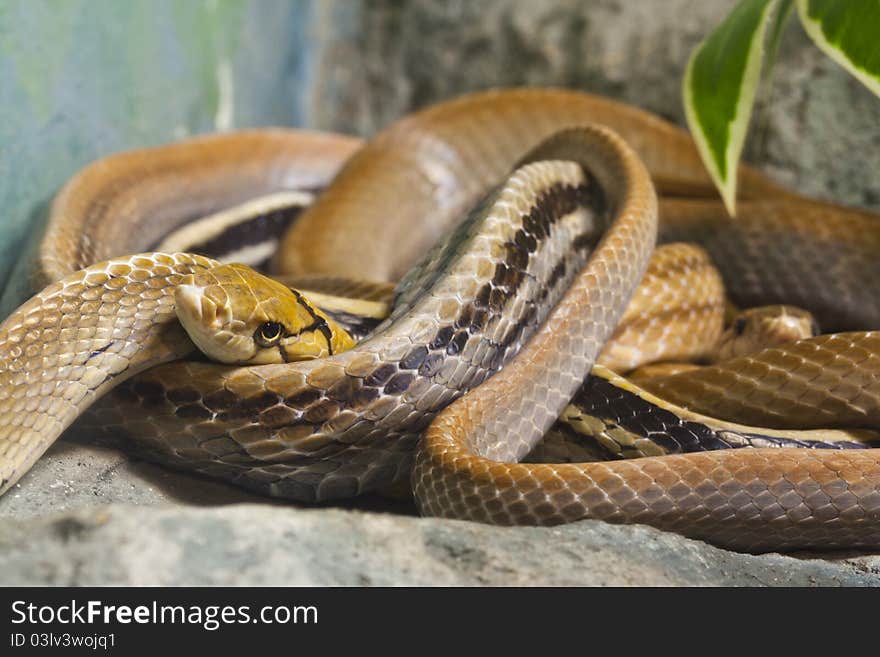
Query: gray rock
(260, 545)
(74, 477)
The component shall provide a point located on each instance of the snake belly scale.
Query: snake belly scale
(491, 333)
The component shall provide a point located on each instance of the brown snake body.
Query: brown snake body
(531, 285)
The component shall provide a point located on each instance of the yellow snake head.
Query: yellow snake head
(235, 315)
(763, 327)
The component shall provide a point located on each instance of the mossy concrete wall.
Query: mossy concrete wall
(83, 78)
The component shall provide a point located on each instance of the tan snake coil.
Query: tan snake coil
(347, 424)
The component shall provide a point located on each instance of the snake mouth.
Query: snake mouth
(198, 312)
(210, 325)
(194, 307)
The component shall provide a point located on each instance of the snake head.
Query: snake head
(764, 327)
(236, 315)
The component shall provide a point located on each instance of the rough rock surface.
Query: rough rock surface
(90, 516)
(259, 545)
(86, 515)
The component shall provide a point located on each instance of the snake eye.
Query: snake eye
(268, 334)
(739, 326)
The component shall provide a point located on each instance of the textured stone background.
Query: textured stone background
(81, 79)
(375, 61)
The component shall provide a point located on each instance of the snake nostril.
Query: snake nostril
(739, 326)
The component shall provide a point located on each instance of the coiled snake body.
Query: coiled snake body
(512, 309)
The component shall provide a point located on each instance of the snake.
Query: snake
(516, 225)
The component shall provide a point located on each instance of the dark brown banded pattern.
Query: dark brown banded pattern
(629, 420)
(93, 214)
(309, 437)
(258, 229)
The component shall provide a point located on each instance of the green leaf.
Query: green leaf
(720, 84)
(849, 32)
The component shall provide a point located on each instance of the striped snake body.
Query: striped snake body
(511, 308)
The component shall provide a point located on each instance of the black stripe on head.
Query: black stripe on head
(283, 351)
(318, 322)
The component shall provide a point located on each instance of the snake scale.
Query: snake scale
(491, 334)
